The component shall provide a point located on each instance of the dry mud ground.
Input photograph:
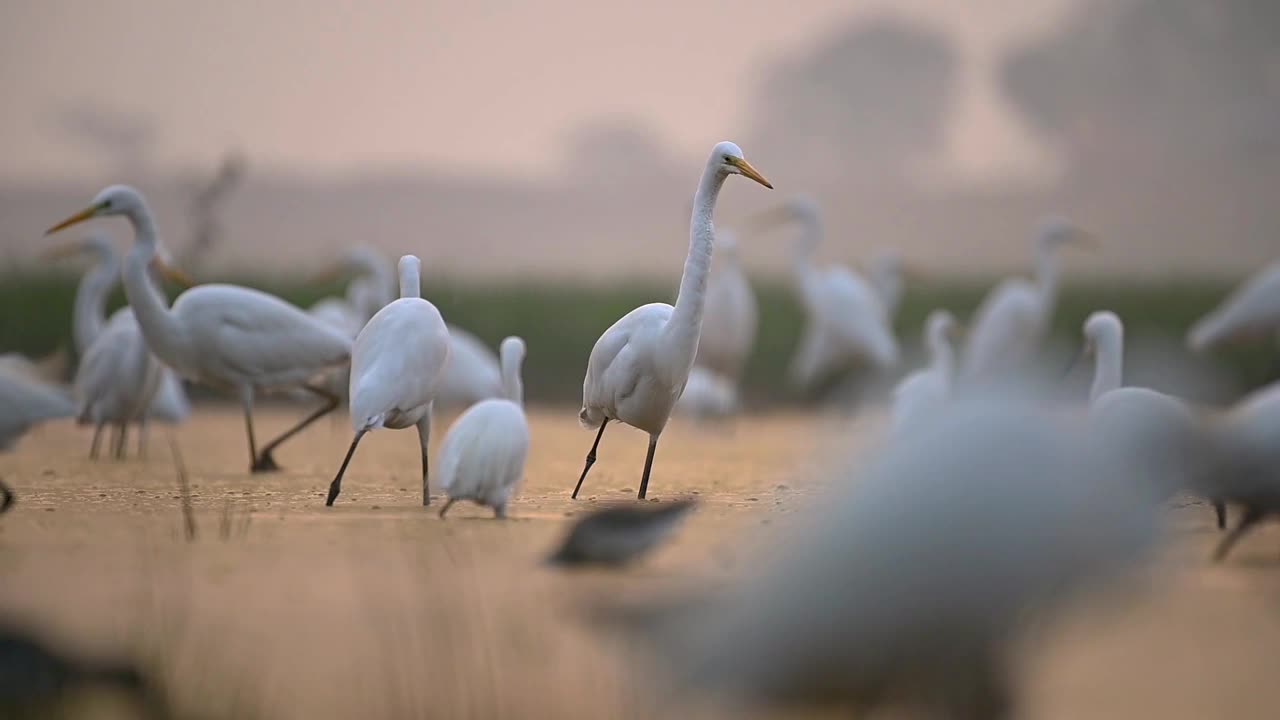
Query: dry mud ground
(282, 608)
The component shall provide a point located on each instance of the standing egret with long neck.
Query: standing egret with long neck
(640, 365)
(482, 456)
(1014, 317)
(924, 392)
(398, 359)
(227, 336)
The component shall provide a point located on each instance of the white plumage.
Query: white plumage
(707, 395)
(397, 362)
(472, 374)
(1012, 320)
(730, 316)
(482, 456)
(639, 366)
(25, 402)
(1253, 310)
(227, 336)
(925, 391)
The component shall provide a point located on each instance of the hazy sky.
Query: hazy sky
(327, 85)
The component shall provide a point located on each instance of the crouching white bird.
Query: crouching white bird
(482, 457)
(924, 391)
(640, 365)
(396, 363)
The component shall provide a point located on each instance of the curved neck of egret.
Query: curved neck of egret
(410, 280)
(941, 354)
(90, 312)
(1108, 362)
(685, 325)
(165, 336)
(511, 360)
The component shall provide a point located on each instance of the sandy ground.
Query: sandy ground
(282, 608)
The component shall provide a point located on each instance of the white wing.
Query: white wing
(483, 454)
(246, 336)
(397, 365)
(729, 321)
(25, 402)
(621, 370)
(1007, 329)
(472, 373)
(112, 383)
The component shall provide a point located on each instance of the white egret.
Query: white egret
(1247, 473)
(729, 316)
(119, 381)
(640, 365)
(846, 321)
(924, 391)
(1252, 310)
(1160, 432)
(227, 336)
(482, 456)
(707, 395)
(397, 362)
(888, 274)
(1014, 317)
(474, 372)
(25, 402)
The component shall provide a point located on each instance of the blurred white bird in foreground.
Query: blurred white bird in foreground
(482, 456)
(1252, 311)
(227, 336)
(912, 578)
(846, 319)
(639, 366)
(25, 403)
(921, 393)
(1014, 317)
(1163, 435)
(119, 381)
(620, 535)
(395, 366)
(1247, 453)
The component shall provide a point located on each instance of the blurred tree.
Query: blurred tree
(872, 98)
(598, 149)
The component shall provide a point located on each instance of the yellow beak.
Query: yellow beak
(745, 168)
(172, 274)
(79, 217)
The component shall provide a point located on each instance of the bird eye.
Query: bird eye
(106, 205)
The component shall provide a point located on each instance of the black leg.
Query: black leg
(591, 459)
(246, 402)
(97, 436)
(648, 465)
(1251, 518)
(335, 487)
(142, 440)
(6, 497)
(121, 440)
(447, 504)
(264, 462)
(1220, 508)
(424, 444)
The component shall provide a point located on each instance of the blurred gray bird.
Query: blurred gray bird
(35, 678)
(6, 497)
(908, 584)
(1247, 468)
(619, 535)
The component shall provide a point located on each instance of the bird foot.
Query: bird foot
(265, 463)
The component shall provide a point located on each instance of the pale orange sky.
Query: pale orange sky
(332, 86)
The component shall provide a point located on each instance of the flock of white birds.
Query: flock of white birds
(393, 359)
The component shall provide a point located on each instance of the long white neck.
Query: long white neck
(685, 325)
(1047, 275)
(512, 387)
(410, 277)
(90, 312)
(941, 354)
(1108, 368)
(166, 337)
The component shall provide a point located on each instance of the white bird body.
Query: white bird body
(399, 357)
(1246, 441)
(483, 454)
(1012, 320)
(1252, 310)
(25, 402)
(472, 374)
(225, 336)
(707, 395)
(925, 391)
(730, 316)
(847, 321)
(639, 366)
